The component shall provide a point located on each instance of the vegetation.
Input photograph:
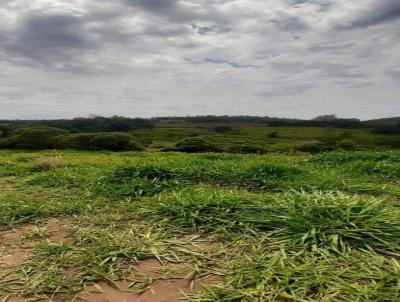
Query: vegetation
(82, 125)
(233, 134)
(34, 138)
(194, 144)
(301, 227)
(388, 129)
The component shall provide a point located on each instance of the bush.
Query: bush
(79, 141)
(195, 144)
(274, 134)
(347, 144)
(247, 148)
(111, 142)
(223, 129)
(313, 147)
(34, 138)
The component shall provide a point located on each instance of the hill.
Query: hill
(383, 121)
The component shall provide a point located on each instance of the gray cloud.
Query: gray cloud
(322, 4)
(229, 63)
(50, 38)
(394, 74)
(158, 6)
(182, 57)
(381, 11)
(288, 23)
(181, 11)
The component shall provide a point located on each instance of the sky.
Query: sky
(146, 58)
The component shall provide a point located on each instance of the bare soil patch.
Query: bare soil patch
(17, 243)
(167, 283)
(152, 281)
(58, 229)
(12, 252)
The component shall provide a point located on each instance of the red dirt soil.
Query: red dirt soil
(172, 282)
(168, 282)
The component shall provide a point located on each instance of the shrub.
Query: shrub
(195, 144)
(112, 142)
(79, 141)
(347, 144)
(247, 148)
(274, 134)
(34, 138)
(313, 147)
(102, 141)
(223, 129)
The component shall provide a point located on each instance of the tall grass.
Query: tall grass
(314, 221)
(261, 275)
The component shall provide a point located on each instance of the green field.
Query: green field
(288, 138)
(150, 226)
(231, 138)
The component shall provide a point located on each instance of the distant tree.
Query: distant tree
(117, 123)
(326, 118)
(331, 120)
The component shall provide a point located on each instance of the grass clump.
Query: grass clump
(47, 163)
(260, 274)
(205, 209)
(336, 222)
(268, 175)
(320, 222)
(126, 173)
(339, 158)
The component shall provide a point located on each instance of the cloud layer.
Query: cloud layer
(295, 58)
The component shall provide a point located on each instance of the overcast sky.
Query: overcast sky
(287, 58)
